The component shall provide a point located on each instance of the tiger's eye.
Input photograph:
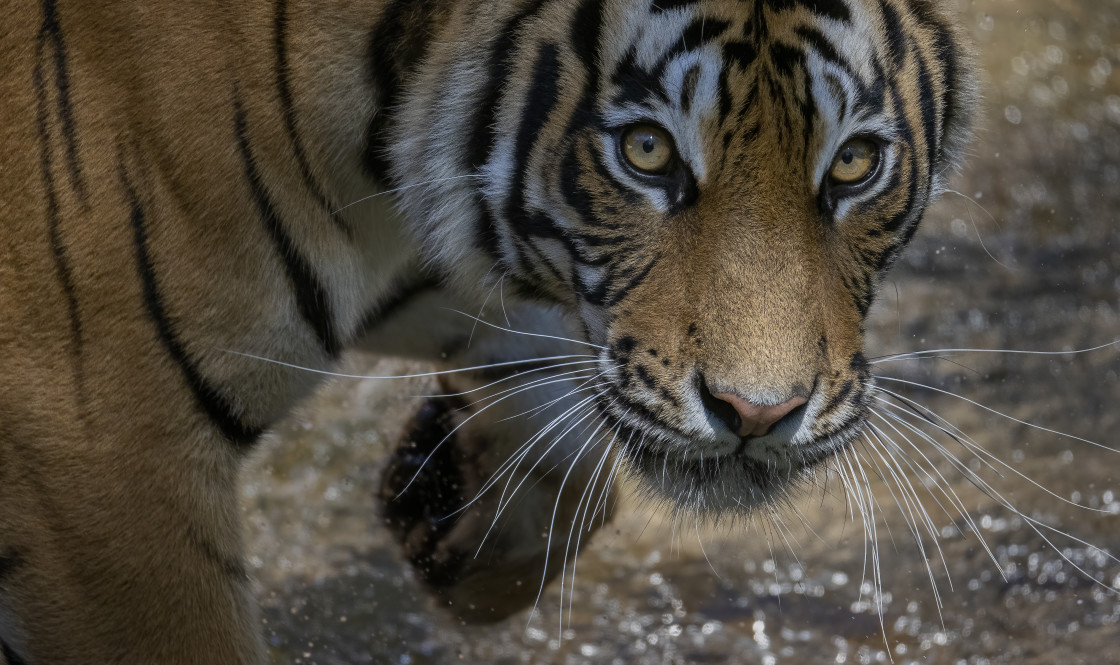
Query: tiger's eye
(855, 160)
(648, 148)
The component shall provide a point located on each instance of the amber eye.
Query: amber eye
(855, 161)
(648, 148)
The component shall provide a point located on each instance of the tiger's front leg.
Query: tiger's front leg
(498, 482)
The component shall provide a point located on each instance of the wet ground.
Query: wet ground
(1026, 257)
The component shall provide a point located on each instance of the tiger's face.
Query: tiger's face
(716, 188)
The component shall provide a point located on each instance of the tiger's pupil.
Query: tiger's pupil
(648, 146)
(847, 156)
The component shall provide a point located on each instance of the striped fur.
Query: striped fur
(176, 188)
(739, 271)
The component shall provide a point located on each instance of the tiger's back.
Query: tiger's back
(177, 187)
(146, 177)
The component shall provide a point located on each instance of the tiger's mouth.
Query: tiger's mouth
(697, 477)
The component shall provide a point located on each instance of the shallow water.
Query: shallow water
(1027, 257)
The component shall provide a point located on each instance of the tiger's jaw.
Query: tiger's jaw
(724, 475)
(691, 449)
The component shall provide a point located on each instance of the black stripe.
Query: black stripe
(688, 88)
(871, 100)
(208, 398)
(529, 290)
(231, 567)
(576, 195)
(858, 364)
(637, 279)
(52, 31)
(907, 135)
(808, 110)
(311, 297)
(635, 84)
(928, 106)
(741, 52)
(59, 252)
(943, 49)
(484, 132)
(584, 32)
(837, 399)
(486, 230)
(540, 225)
(593, 240)
(540, 101)
(11, 560)
(386, 81)
(900, 47)
(836, 87)
(284, 89)
(396, 44)
(896, 35)
(816, 39)
(833, 9)
(785, 58)
(10, 655)
(652, 414)
(947, 52)
(726, 99)
(701, 31)
(550, 269)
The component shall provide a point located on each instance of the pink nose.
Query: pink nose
(754, 419)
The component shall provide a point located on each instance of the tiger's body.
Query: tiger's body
(175, 188)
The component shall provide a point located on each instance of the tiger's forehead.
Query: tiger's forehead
(660, 35)
(724, 67)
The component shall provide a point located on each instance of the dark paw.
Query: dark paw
(422, 490)
(490, 559)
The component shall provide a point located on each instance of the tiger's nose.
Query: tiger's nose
(755, 419)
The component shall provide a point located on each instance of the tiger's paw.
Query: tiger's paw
(484, 534)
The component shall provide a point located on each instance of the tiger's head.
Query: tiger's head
(716, 188)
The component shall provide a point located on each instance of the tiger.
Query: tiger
(206, 206)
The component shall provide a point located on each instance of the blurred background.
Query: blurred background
(1026, 256)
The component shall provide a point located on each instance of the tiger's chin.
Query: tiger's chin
(760, 472)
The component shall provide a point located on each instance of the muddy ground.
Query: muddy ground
(1027, 256)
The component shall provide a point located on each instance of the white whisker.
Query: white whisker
(945, 487)
(514, 460)
(552, 526)
(1034, 524)
(983, 455)
(482, 307)
(404, 187)
(539, 382)
(528, 334)
(587, 491)
(914, 512)
(418, 375)
(700, 542)
(936, 352)
(450, 434)
(1001, 414)
(518, 375)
